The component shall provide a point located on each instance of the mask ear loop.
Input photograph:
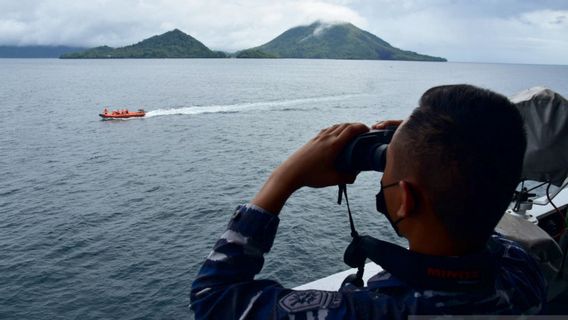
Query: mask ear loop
(358, 281)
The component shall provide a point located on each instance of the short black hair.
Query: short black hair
(466, 145)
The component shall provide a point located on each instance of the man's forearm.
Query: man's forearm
(275, 192)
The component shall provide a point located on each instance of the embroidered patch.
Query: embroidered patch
(298, 301)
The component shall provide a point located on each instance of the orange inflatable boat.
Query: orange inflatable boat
(121, 114)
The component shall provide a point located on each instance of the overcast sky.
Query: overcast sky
(513, 31)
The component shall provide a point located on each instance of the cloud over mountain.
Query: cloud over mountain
(486, 30)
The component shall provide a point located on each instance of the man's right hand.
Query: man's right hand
(313, 165)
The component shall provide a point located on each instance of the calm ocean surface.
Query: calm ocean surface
(111, 219)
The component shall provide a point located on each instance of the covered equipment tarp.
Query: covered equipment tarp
(545, 114)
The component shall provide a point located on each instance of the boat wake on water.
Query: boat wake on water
(239, 107)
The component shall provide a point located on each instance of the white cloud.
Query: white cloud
(256, 22)
(462, 32)
(546, 19)
(10, 29)
(228, 25)
(483, 30)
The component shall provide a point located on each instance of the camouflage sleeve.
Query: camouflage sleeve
(225, 287)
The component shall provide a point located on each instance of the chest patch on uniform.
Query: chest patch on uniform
(298, 301)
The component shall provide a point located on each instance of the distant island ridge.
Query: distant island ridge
(318, 40)
(36, 51)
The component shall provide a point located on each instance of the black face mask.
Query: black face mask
(381, 205)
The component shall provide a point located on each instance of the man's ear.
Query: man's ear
(407, 200)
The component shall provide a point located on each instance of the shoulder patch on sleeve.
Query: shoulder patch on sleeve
(298, 301)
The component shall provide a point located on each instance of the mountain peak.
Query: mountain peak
(320, 26)
(318, 23)
(175, 31)
(175, 36)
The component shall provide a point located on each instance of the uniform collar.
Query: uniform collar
(446, 273)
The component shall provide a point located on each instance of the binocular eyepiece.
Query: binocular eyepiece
(367, 152)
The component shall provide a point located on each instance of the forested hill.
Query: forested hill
(332, 41)
(172, 44)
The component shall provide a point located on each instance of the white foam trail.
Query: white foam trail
(267, 105)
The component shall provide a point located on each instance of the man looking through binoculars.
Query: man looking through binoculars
(461, 144)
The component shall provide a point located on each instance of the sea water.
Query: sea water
(112, 219)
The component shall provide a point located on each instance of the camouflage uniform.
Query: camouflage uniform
(225, 287)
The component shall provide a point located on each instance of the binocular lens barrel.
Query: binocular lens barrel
(367, 152)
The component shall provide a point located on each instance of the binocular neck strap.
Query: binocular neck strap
(354, 234)
(341, 193)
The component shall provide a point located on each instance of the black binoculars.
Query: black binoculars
(366, 152)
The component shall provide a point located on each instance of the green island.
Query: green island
(334, 41)
(172, 44)
(316, 41)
